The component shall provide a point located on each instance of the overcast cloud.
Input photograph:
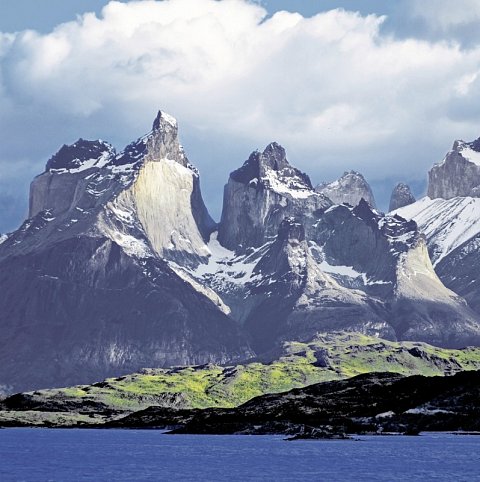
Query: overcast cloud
(338, 90)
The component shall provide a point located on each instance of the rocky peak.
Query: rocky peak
(458, 175)
(80, 156)
(350, 188)
(271, 169)
(260, 195)
(401, 196)
(364, 211)
(160, 143)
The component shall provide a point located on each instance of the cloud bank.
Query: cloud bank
(334, 89)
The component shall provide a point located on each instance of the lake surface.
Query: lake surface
(119, 455)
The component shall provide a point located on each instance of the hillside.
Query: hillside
(327, 357)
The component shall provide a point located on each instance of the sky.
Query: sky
(380, 87)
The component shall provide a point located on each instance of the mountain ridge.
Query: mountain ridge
(120, 266)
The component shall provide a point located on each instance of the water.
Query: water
(120, 455)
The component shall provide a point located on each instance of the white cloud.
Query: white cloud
(445, 14)
(335, 90)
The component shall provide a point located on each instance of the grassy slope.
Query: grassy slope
(328, 357)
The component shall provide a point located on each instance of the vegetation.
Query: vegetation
(327, 357)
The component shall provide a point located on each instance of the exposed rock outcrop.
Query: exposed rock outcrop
(458, 174)
(450, 219)
(401, 196)
(260, 194)
(350, 188)
(339, 267)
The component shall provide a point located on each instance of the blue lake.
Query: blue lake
(118, 455)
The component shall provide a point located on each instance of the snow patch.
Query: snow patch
(470, 155)
(224, 264)
(292, 186)
(447, 224)
(98, 162)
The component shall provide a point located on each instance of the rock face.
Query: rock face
(401, 196)
(349, 189)
(260, 194)
(458, 174)
(88, 291)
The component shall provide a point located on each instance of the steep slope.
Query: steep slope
(458, 174)
(350, 188)
(87, 289)
(387, 257)
(452, 229)
(450, 219)
(401, 196)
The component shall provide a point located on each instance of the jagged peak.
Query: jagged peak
(352, 173)
(160, 143)
(270, 169)
(81, 155)
(164, 120)
(275, 157)
(364, 210)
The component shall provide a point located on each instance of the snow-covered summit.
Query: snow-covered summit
(350, 188)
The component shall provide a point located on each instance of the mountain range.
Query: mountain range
(119, 265)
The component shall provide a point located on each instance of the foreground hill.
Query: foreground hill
(374, 402)
(327, 357)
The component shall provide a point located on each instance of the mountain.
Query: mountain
(289, 263)
(401, 196)
(450, 219)
(458, 174)
(260, 194)
(87, 290)
(120, 267)
(350, 188)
